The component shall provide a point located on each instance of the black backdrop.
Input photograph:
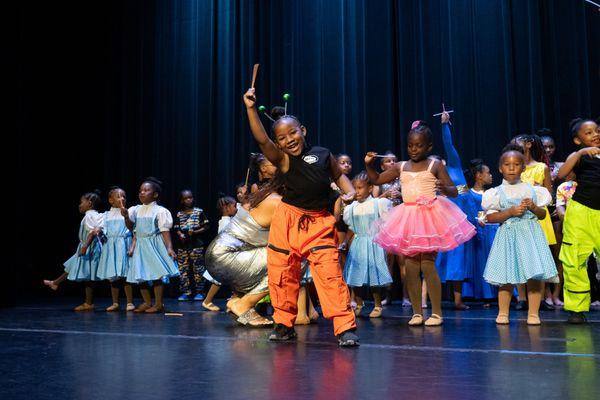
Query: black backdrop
(112, 91)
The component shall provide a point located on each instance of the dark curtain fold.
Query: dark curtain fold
(124, 89)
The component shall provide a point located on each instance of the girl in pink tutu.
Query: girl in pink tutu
(425, 223)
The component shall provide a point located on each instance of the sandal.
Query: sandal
(502, 319)
(434, 320)
(376, 313)
(254, 319)
(416, 320)
(50, 284)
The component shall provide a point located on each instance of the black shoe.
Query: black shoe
(348, 339)
(546, 307)
(282, 333)
(521, 305)
(577, 318)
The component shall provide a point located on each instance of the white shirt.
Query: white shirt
(223, 222)
(366, 207)
(163, 216)
(93, 219)
(519, 190)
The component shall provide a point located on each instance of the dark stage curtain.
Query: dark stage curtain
(110, 92)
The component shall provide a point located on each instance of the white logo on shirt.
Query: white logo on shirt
(310, 159)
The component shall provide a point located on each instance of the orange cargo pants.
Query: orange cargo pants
(295, 234)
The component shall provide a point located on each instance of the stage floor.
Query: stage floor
(49, 352)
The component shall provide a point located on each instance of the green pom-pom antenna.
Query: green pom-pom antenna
(286, 97)
(263, 110)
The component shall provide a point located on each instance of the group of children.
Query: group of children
(433, 218)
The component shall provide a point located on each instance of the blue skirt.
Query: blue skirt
(150, 260)
(477, 287)
(114, 261)
(83, 268)
(366, 264)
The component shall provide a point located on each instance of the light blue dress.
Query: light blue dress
(150, 260)
(366, 263)
(84, 268)
(520, 251)
(114, 261)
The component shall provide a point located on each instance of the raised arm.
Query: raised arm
(267, 147)
(574, 158)
(452, 157)
(376, 178)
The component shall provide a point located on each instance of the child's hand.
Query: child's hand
(517, 211)
(171, 253)
(589, 151)
(445, 117)
(130, 252)
(348, 197)
(527, 203)
(182, 236)
(83, 250)
(250, 98)
(369, 157)
(123, 209)
(343, 246)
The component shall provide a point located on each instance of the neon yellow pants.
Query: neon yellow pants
(581, 237)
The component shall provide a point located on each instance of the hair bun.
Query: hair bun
(476, 162)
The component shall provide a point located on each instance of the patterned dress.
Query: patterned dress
(520, 251)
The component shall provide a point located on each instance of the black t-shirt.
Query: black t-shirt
(588, 182)
(307, 182)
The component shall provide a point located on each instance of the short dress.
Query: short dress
(534, 174)
(85, 267)
(114, 261)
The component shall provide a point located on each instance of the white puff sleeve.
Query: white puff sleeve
(384, 205)
(542, 196)
(133, 213)
(491, 200)
(93, 220)
(347, 215)
(165, 220)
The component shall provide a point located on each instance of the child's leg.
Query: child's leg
(535, 289)
(197, 262)
(423, 292)
(145, 291)
(128, 292)
(89, 293)
(457, 285)
(413, 283)
(114, 291)
(183, 261)
(377, 310)
(158, 293)
(434, 285)
(581, 230)
(504, 297)
(212, 292)
(53, 284)
(302, 316)
(312, 313)
(284, 286)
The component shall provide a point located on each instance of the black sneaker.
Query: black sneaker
(547, 307)
(577, 318)
(521, 305)
(348, 339)
(282, 333)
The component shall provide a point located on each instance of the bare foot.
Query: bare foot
(50, 284)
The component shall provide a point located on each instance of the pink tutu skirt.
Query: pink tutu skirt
(428, 225)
